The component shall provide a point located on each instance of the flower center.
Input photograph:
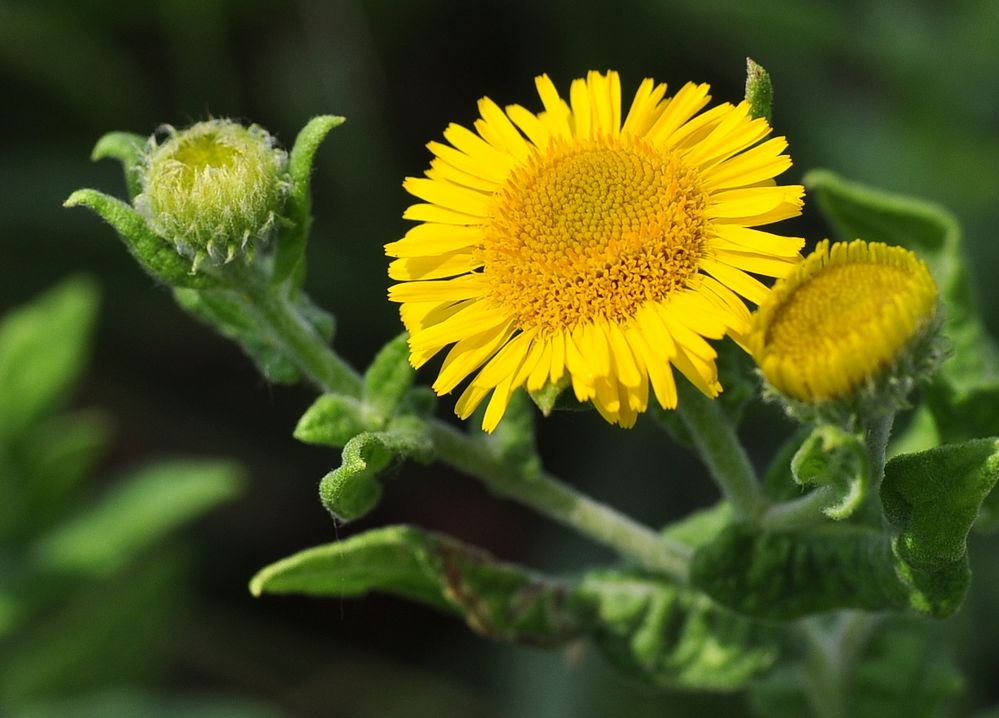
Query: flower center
(201, 153)
(843, 301)
(593, 230)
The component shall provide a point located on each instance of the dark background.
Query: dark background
(902, 95)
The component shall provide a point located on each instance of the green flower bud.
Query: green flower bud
(214, 190)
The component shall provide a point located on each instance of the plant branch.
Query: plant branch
(721, 451)
(560, 502)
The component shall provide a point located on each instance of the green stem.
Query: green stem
(798, 513)
(543, 493)
(301, 343)
(832, 658)
(560, 502)
(721, 451)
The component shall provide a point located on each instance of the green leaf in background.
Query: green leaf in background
(674, 637)
(497, 600)
(293, 233)
(127, 148)
(156, 255)
(132, 702)
(834, 461)
(101, 632)
(43, 347)
(902, 672)
(134, 515)
(934, 497)
(57, 456)
(389, 378)
(353, 489)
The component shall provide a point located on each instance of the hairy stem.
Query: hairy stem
(798, 513)
(721, 451)
(832, 658)
(301, 343)
(560, 502)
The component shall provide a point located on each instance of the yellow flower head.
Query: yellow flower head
(585, 244)
(841, 318)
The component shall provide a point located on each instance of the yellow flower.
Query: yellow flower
(588, 245)
(841, 318)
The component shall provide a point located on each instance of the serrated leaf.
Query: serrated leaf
(332, 420)
(43, 347)
(132, 516)
(837, 459)
(353, 489)
(674, 637)
(934, 497)
(155, 255)
(289, 255)
(496, 599)
(789, 574)
(127, 148)
(389, 378)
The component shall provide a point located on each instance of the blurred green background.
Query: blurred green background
(901, 95)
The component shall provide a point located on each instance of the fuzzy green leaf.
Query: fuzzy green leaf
(127, 148)
(831, 457)
(788, 574)
(43, 347)
(498, 600)
(289, 256)
(389, 378)
(156, 255)
(674, 637)
(332, 420)
(353, 489)
(134, 515)
(759, 90)
(934, 497)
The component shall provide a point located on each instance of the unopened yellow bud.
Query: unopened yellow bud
(214, 190)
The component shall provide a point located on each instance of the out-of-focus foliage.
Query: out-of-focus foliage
(90, 583)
